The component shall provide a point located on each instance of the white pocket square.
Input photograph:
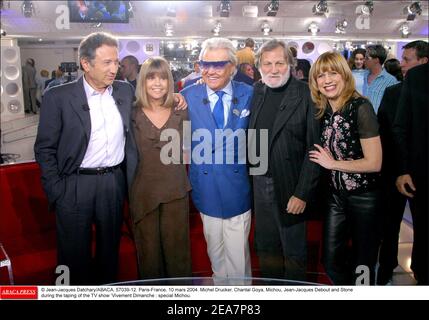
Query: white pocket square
(244, 113)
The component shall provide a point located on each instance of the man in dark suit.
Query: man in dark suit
(411, 136)
(83, 139)
(283, 106)
(393, 204)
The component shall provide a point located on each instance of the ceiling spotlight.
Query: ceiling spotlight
(413, 10)
(27, 9)
(168, 28)
(2, 32)
(405, 30)
(224, 8)
(321, 8)
(313, 28)
(340, 26)
(367, 8)
(272, 8)
(170, 45)
(216, 29)
(266, 29)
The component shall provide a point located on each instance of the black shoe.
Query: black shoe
(384, 276)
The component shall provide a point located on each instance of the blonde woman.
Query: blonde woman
(159, 193)
(351, 151)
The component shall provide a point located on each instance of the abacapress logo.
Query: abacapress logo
(18, 292)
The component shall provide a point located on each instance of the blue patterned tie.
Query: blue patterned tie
(218, 110)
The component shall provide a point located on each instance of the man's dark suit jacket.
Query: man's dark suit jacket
(386, 117)
(64, 132)
(411, 124)
(295, 131)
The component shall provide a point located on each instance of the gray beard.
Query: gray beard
(281, 84)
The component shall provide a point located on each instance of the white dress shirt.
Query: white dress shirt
(107, 141)
(226, 99)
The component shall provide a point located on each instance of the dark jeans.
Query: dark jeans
(352, 217)
(281, 249)
(392, 209)
(88, 200)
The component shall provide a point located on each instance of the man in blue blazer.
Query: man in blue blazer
(219, 113)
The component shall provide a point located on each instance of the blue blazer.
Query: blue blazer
(219, 190)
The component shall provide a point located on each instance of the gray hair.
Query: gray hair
(219, 43)
(92, 42)
(272, 45)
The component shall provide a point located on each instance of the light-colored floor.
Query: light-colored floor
(403, 275)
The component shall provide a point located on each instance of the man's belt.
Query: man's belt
(96, 171)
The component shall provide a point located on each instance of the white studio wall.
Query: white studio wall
(48, 58)
(311, 49)
(12, 102)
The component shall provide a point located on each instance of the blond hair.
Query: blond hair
(331, 61)
(154, 66)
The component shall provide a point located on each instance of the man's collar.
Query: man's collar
(227, 89)
(90, 91)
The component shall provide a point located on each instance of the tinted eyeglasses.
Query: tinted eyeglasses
(217, 65)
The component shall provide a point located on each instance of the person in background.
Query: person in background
(159, 200)
(246, 55)
(357, 65)
(129, 69)
(29, 86)
(301, 66)
(393, 205)
(282, 195)
(351, 151)
(376, 78)
(410, 130)
(59, 80)
(221, 189)
(244, 74)
(41, 80)
(193, 75)
(247, 69)
(393, 66)
(51, 79)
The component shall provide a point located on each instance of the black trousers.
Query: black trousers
(88, 200)
(281, 249)
(392, 209)
(420, 212)
(355, 218)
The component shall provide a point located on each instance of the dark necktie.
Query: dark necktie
(218, 110)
